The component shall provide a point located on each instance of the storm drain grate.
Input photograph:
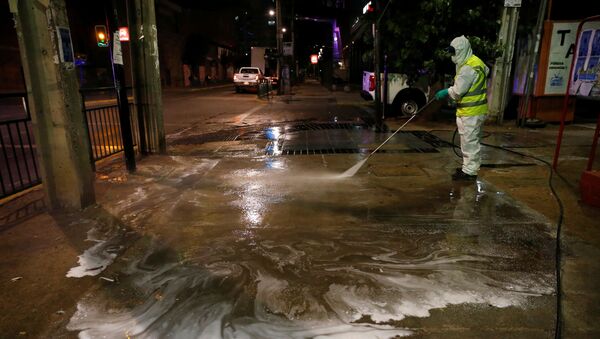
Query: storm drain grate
(325, 126)
(304, 141)
(348, 151)
(314, 138)
(253, 135)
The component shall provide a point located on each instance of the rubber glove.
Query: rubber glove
(441, 94)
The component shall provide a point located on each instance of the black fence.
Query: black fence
(102, 117)
(19, 168)
(18, 162)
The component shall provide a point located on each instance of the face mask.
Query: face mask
(452, 51)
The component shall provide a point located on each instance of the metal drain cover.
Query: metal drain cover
(312, 139)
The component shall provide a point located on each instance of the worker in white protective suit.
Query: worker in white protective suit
(469, 91)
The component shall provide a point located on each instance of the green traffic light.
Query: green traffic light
(101, 36)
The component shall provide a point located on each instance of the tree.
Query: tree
(414, 34)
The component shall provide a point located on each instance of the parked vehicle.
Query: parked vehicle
(264, 58)
(402, 98)
(258, 58)
(247, 78)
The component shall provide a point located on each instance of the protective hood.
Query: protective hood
(462, 49)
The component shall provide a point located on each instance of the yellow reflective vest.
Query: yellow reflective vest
(474, 102)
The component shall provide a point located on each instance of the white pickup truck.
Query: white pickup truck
(404, 99)
(247, 77)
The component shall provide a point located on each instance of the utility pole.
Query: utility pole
(502, 67)
(279, 43)
(531, 61)
(385, 86)
(377, 47)
(120, 88)
(146, 75)
(294, 65)
(61, 134)
(377, 62)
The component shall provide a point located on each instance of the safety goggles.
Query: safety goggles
(450, 50)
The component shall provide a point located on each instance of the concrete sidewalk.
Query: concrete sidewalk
(230, 236)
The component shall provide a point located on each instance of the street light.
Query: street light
(283, 30)
(271, 21)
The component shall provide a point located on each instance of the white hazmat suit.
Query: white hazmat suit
(469, 127)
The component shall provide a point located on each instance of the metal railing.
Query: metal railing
(104, 127)
(264, 89)
(18, 162)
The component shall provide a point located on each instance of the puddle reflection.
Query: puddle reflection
(273, 134)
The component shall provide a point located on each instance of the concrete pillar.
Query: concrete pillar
(144, 48)
(59, 127)
(187, 72)
(501, 86)
(202, 75)
(279, 36)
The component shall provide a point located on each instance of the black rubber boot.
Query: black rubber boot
(462, 176)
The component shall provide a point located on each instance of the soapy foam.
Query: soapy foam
(255, 279)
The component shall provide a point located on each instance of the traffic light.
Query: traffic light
(102, 36)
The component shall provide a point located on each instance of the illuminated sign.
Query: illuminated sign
(123, 34)
(368, 8)
(314, 59)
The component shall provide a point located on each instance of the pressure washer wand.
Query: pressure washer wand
(398, 130)
(352, 170)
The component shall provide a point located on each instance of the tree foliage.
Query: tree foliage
(415, 33)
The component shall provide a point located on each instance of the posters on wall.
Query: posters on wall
(117, 51)
(65, 45)
(585, 76)
(560, 52)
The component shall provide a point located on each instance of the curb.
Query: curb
(198, 89)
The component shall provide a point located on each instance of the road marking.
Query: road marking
(243, 116)
(180, 132)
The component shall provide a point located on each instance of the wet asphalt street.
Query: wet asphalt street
(246, 230)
